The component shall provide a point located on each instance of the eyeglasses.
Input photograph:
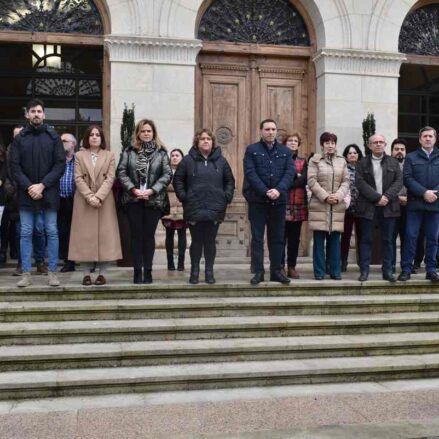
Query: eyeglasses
(378, 142)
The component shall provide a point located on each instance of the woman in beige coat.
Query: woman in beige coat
(328, 181)
(94, 235)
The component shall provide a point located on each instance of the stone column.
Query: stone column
(157, 75)
(351, 83)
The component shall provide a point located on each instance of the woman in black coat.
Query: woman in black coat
(144, 172)
(204, 183)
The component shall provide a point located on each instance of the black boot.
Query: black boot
(195, 274)
(171, 266)
(2, 256)
(209, 277)
(147, 276)
(344, 266)
(180, 264)
(137, 279)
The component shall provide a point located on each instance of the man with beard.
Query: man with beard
(38, 162)
(399, 151)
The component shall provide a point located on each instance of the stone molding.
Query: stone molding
(358, 62)
(152, 50)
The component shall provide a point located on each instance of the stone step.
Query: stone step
(213, 328)
(94, 381)
(214, 307)
(86, 355)
(177, 289)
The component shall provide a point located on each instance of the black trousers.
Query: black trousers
(292, 241)
(64, 220)
(203, 239)
(272, 216)
(143, 224)
(182, 241)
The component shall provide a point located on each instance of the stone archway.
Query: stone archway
(254, 64)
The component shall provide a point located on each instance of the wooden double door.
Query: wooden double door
(234, 92)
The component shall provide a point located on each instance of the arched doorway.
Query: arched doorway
(254, 64)
(53, 49)
(419, 76)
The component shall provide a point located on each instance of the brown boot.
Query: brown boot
(292, 273)
(42, 268)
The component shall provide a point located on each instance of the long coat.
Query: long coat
(94, 235)
(368, 195)
(326, 177)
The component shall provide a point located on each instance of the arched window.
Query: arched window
(254, 21)
(420, 32)
(64, 16)
(419, 76)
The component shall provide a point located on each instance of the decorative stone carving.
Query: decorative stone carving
(151, 50)
(67, 16)
(255, 21)
(358, 62)
(420, 32)
(224, 135)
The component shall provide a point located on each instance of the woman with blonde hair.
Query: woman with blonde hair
(94, 235)
(144, 172)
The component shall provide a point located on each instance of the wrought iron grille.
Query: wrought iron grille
(67, 16)
(254, 21)
(420, 32)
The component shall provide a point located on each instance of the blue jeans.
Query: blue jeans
(38, 241)
(41, 220)
(272, 217)
(387, 226)
(414, 221)
(334, 257)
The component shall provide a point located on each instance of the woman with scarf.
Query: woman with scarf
(328, 181)
(297, 206)
(204, 183)
(144, 173)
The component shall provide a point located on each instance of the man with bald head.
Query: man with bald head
(379, 180)
(67, 191)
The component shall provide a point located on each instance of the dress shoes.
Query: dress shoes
(100, 280)
(389, 277)
(318, 277)
(292, 273)
(68, 266)
(86, 281)
(433, 276)
(278, 276)
(404, 276)
(137, 277)
(257, 278)
(363, 277)
(335, 277)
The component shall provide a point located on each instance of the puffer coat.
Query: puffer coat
(160, 175)
(327, 176)
(204, 186)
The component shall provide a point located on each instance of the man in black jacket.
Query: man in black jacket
(268, 175)
(37, 164)
(379, 180)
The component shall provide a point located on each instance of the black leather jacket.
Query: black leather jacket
(160, 176)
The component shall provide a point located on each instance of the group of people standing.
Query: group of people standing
(69, 196)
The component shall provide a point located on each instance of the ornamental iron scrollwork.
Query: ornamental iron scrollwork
(420, 32)
(66, 16)
(254, 21)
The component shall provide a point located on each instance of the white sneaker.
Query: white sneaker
(53, 280)
(25, 280)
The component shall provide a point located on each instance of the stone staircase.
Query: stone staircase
(129, 338)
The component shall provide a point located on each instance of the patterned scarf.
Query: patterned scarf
(144, 159)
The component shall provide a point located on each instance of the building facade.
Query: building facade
(313, 65)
